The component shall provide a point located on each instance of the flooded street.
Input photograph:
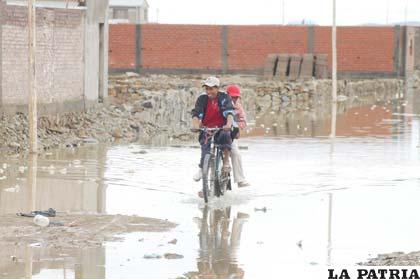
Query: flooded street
(314, 201)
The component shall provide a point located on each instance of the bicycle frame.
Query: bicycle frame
(212, 171)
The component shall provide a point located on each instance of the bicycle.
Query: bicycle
(215, 182)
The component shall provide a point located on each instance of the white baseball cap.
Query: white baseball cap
(211, 82)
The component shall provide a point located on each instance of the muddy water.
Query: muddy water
(313, 202)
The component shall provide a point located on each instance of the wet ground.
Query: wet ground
(314, 201)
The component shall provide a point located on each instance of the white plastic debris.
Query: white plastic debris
(41, 220)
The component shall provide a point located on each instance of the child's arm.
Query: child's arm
(241, 115)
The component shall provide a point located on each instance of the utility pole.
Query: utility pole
(33, 118)
(282, 10)
(334, 71)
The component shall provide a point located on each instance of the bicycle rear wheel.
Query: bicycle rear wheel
(218, 174)
(223, 181)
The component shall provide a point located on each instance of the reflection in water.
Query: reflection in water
(36, 263)
(63, 180)
(219, 243)
(354, 117)
(32, 173)
(379, 138)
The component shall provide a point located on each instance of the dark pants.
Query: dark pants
(222, 137)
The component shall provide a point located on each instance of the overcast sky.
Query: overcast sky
(349, 12)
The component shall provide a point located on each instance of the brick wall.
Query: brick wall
(122, 46)
(359, 49)
(181, 47)
(59, 55)
(248, 46)
(362, 51)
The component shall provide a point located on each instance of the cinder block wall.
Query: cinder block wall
(164, 48)
(59, 58)
(417, 49)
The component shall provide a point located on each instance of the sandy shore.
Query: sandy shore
(78, 231)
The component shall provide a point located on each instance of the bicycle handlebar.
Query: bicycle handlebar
(205, 129)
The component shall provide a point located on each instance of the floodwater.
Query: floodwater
(314, 201)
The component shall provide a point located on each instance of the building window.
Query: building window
(120, 13)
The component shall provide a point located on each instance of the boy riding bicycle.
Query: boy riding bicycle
(213, 109)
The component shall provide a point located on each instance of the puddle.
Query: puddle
(313, 201)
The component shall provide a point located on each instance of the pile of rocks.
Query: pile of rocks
(395, 259)
(145, 107)
(102, 124)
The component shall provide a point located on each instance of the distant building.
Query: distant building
(128, 11)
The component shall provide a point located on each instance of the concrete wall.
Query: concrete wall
(410, 50)
(136, 15)
(417, 49)
(59, 56)
(96, 52)
(363, 52)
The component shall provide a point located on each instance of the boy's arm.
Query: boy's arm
(198, 112)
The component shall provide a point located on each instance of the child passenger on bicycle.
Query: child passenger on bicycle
(240, 120)
(213, 109)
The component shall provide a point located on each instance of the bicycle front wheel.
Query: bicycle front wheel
(206, 177)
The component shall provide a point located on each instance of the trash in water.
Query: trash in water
(21, 169)
(171, 256)
(48, 213)
(3, 177)
(173, 241)
(263, 209)
(152, 256)
(56, 224)
(41, 220)
(63, 171)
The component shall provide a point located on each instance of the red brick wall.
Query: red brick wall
(249, 45)
(359, 49)
(200, 47)
(122, 46)
(180, 46)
